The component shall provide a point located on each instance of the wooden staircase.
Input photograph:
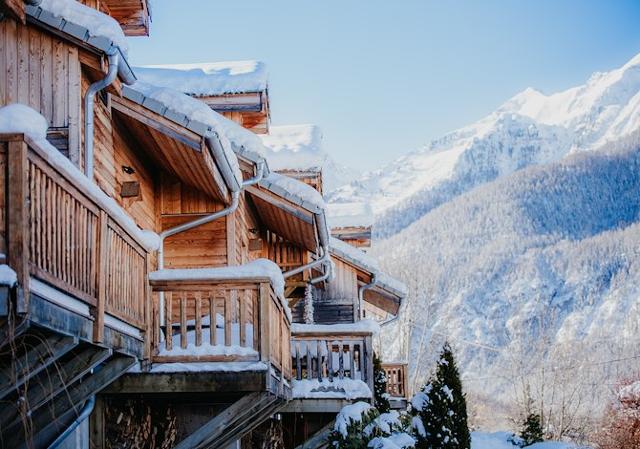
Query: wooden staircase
(234, 422)
(45, 379)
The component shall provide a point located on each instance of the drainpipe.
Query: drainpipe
(235, 197)
(327, 275)
(324, 260)
(361, 291)
(84, 414)
(112, 73)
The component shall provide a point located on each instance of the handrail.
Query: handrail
(67, 232)
(396, 374)
(329, 354)
(220, 320)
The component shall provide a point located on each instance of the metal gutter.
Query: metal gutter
(43, 18)
(361, 291)
(205, 131)
(89, 98)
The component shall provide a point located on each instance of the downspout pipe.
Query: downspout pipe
(89, 99)
(235, 199)
(84, 414)
(361, 291)
(323, 260)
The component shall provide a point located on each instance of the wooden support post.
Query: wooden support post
(340, 360)
(183, 320)
(213, 325)
(168, 321)
(18, 219)
(330, 360)
(263, 301)
(150, 337)
(198, 319)
(102, 272)
(368, 357)
(309, 360)
(229, 303)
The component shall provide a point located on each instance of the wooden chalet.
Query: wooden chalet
(237, 90)
(156, 275)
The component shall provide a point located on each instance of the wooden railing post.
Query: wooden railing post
(102, 272)
(18, 219)
(265, 336)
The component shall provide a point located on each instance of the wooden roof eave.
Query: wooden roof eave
(186, 155)
(286, 218)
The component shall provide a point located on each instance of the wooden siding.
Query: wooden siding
(249, 110)
(114, 149)
(312, 178)
(132, 15)
(344, 286)
(43, 72)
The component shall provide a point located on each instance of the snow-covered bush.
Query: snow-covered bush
(360, 426)
(439, 410)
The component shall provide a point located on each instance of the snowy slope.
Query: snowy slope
(540, 268)
(530, 128)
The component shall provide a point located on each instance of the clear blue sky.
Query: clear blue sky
(384, 77)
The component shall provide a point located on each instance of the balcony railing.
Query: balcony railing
(326, 355)
(61, 233)
(396, 374)
(219, 321)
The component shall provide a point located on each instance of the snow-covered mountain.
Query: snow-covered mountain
(530, 128)
(519, 239)
(537, 269)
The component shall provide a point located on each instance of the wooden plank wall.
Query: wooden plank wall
(204, 246)
(257, 122)
(113, 150)
(245, 222)
(43, 72)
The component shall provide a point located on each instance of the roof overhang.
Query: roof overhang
(286, 218)
(173, 147)
(79, 36)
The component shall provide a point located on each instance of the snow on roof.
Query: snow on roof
(208, 78)
(201, 118)
(294, 147)
(350, 414)
(353, 255)
(18, 118)
(342, 215)
(391, 284)
(359, 326)
(96, 23)
(360, 258)
(292, 189)
(345, 388)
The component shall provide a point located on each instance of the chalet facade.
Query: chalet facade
(162, 284)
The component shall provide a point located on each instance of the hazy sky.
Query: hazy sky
(383, 77)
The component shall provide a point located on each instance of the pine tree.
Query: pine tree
(531, 430)
(440, 409)
(380, 395)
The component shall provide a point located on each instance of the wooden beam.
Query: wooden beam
(319, 439)
(232, 422)
(103, 260)
(51, 382)
(18, 220)
(73, 398)
(35, 358)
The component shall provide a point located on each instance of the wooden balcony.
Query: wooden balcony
(396, 379)
(220, 321)
(331, 364)
(61, 235)
(81, 298)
